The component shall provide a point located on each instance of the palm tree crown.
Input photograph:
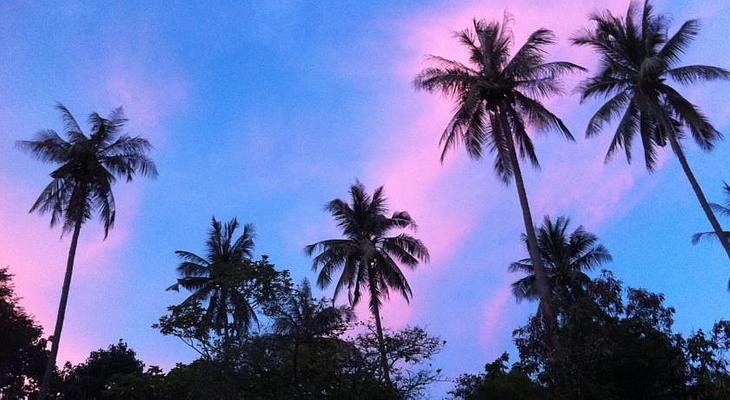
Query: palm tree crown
(638, 60)
(566, 257)
(87, 166)
(305, 317)
(496, 96)
(367, 255)
(218, 277)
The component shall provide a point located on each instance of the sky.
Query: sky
(265, 111)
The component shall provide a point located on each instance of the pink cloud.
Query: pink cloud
(36, 254)
(447, 212)
(493, 317)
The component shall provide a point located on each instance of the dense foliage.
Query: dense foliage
(612, 343)
(22, 346)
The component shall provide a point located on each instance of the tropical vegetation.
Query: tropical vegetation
(258, 334)
(85, 168)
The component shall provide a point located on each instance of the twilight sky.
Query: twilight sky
(265, 112)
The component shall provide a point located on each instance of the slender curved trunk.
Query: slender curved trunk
(50, 366)
(700, 195)
(381, 344)
(540, 275)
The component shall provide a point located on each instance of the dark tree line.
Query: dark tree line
(611, 341)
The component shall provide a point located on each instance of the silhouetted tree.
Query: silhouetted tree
(22, 347)
(305, 350)
(610, 347)
(303, 317)
(218, 278)
(234, 286)
(81, 185)
(566, 258)
(709, 367)
(638, 60)
(498, 383)
(408, 355)
(369, 258)
(497, 98)
(92, 378)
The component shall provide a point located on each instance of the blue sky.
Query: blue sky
(267, 111)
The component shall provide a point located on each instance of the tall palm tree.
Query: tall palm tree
(369, 255)
(86, 167)
(218, 278)
(638, 62)
(566, 257)
(497, 98)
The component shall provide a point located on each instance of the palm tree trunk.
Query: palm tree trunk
(540, 275)
(700, 195)
(50, 366)
(381, 344)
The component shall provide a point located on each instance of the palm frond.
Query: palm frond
(540, 117)
(607, 112)
(691, 74)
(704, 134)
(678, 43)
(698, 237)
(47, 146)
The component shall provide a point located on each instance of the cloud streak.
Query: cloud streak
(450, 201)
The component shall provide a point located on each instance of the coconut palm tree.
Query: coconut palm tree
(638, 64)
(304, 318)
(369, 255)
(497, 98)
(218, 278)
(86, 167)
(566, 257)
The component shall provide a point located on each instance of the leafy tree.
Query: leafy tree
(408, 356)
(310, 357)
(303, 318)
(203, 379)
(217, 278)
(81, 185)
(238, 289)
(709, 368)
(498, 383)
(150, 385)
(22, 348)
(305, 352)
(497, 98)
(638, 61)
(608, 347)
(92, 378)
(566, 258)
(369, 258)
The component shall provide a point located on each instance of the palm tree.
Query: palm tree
(638, 60)
(369, 255)
(218, 278)
(305, 318)
(497, 98)
(566, 257)
(86, 167)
